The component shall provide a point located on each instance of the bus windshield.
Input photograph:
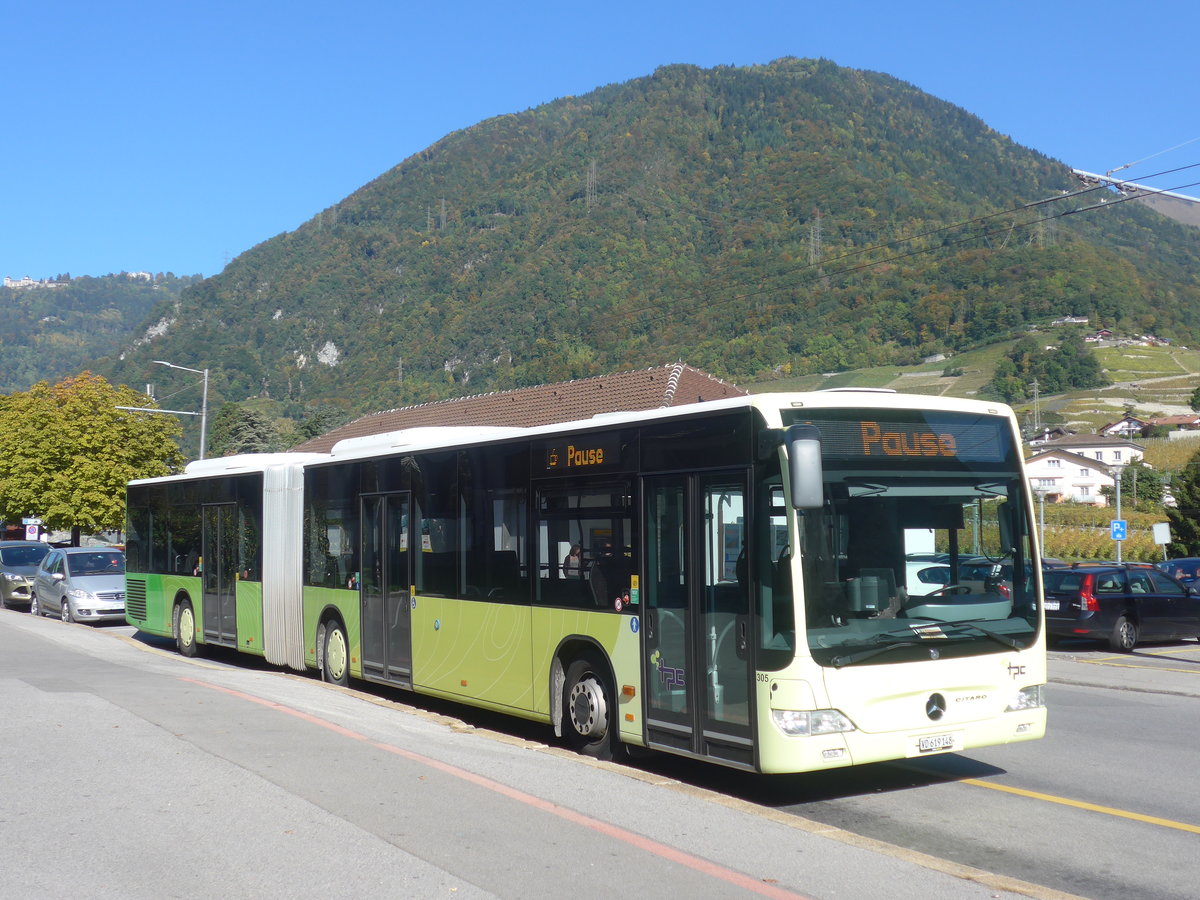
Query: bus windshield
(918, 556)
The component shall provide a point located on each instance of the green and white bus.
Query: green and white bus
(779, 583)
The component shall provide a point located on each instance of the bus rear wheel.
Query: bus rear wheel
(185, 629)
(335, 653)
(588, 710)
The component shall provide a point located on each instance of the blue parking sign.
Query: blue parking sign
(1118, 529)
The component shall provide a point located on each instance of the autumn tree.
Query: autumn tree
(67, 451)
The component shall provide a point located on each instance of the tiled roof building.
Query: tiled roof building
(545, 404)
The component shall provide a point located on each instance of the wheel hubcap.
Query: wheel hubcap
(589, 712)
(335, 654)
(187, 626)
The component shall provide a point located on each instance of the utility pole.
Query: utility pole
(814, 238)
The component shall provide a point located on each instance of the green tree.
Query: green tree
(1194, 402)
(1141, 488)
(1185, 515)
(237, 429)
(67, 451)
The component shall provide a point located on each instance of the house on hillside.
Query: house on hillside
(1188, 422)
(1108, 449)
(1126, 427)
(1075, 467)
(1048, 434)
(545, 404)
(1062, 476)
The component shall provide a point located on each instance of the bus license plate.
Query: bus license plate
(932, 743)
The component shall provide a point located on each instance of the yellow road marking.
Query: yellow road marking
(1097, 662)
(1079, 804)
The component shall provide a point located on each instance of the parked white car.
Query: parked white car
(923, 578)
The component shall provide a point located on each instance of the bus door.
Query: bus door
(218, 550)
(384, 589)
(697, 651)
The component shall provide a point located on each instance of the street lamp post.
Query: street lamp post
(203, 401)
(1116, 470)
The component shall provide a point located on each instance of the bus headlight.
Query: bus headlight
(795, 722)
(1027, 698)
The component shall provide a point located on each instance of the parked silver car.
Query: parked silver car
(81, 584)
(18, 563)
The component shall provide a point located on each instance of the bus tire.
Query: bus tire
(184, 625)
(335, 652)
(589, 711)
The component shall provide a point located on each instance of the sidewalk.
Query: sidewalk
(1156, 670)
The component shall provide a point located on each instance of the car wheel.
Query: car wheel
(64, 610)
(184, 626)
(588, 710)
(35, 608)
(1124, 635)
(335, 653)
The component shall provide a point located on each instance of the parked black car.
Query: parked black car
(1119, 603)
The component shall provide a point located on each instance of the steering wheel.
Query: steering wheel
(949, 590)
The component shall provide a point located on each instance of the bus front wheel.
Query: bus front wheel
(588, 710)
(185, 629)
(335, 653)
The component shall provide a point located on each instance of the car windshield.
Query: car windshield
(97, 563)
(23, 556)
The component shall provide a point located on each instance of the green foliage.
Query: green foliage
(697, 243)
(1194, 400)
(1141, 489)
(1185, 516)
(238, 429)
(67, 451)
(50, 332)
(1064, 367)
(1077, 532)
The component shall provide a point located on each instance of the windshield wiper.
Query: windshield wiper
(852, 658)
(986, 632)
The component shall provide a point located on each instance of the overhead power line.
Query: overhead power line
(824, 265)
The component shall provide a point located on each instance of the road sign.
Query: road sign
(1118, 529)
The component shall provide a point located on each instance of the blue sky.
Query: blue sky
(172, 137)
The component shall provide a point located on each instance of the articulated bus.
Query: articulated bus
(744, 581)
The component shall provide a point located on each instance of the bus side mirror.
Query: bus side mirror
(804, 466)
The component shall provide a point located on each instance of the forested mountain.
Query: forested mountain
(785, 218)
(61, 327)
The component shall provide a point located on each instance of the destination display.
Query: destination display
(920, 438)
(583, 453)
